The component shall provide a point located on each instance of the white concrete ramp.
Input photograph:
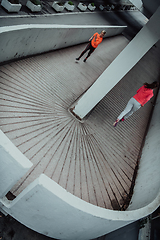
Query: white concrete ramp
(90, 159)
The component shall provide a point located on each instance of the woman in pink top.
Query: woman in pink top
(143, 95)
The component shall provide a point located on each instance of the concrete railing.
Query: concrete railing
(26, 40)
(13, 164)
(47, 208)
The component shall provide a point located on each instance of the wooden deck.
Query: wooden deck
(92, 160)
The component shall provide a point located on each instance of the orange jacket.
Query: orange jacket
(143, 95)
(96, 40)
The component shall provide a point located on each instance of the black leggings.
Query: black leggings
(90, 48)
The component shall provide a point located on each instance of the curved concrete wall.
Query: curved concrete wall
(38, 38)
(147, 185)
(47, 208)
(13, 164)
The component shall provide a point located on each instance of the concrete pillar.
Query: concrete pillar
(125, 61)
(137, 3)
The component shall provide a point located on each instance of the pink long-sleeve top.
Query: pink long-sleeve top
(143, 95)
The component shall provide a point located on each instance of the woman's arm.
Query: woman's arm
(139, 89)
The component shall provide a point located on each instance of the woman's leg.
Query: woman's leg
(136, 106)
(131, 107)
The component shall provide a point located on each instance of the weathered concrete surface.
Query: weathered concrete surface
(36, 95)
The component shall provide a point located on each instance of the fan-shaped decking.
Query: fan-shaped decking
(90, 159)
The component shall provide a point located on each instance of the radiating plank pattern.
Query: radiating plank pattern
(90, 159)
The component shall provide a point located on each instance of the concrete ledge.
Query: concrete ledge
(47, 208)
(38, 38)
(13, 164)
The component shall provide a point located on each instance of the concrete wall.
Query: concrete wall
(25, 40)
(13, 164)
(147, 185)
(49, 209)
(46, 207)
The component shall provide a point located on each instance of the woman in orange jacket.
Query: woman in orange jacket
(95, 40)
(143, 95)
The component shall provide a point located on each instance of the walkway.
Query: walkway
(92, 160)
